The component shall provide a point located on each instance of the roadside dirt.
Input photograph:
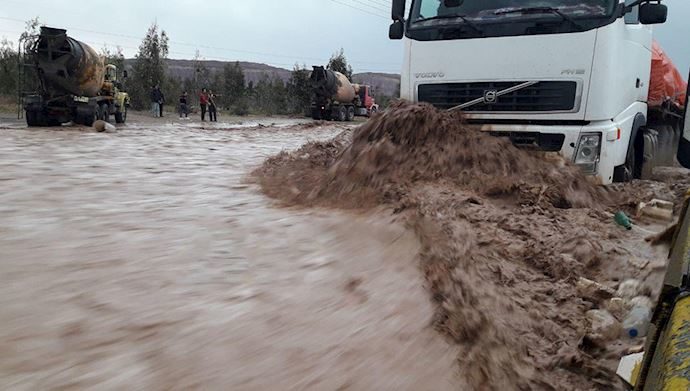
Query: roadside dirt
(504, 237)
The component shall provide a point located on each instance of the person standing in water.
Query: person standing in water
(212, 110)
(161, 100)
(203, 103)
(155, 102)
(183, 105)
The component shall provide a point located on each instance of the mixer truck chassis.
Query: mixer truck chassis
(76, 109)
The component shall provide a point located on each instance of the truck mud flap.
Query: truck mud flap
(651, 153)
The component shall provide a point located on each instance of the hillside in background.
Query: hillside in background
(383, 83)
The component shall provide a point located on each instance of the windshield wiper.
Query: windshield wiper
(542, 10)
(472, 25)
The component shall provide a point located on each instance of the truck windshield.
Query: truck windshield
(458, 19)
(497, 9)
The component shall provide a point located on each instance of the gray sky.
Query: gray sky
(276, 32)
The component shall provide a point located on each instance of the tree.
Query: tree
(233, 89)
(149, 67)
(9, 68)
(116, 58)
(299, 90)
(338, 63)
(202, 75)
(31, 28)
(269, 96)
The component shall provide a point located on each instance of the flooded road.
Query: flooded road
(141, 259)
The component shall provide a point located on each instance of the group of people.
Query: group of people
(207, 102)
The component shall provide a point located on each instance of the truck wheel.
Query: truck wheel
(87, 117)
(632, 169)
(350, 113)
(342, 114)
(104, 112)
(34, 118)
(316, 114)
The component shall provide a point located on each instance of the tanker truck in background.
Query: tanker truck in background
(336, 98)
(74, 84)
(582, 78)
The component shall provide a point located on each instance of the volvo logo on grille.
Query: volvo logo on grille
(490, 96)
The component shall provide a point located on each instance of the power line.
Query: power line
(359, 9)
(373, 6)
(383, 2)
(209, 47)
(206, 58)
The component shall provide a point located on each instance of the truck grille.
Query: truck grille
(547, 142)
(543, 96)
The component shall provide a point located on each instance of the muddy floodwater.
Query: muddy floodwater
(142, 259)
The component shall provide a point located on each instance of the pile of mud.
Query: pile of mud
(415, 143)
(505, 235)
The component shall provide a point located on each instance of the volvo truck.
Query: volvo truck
(566, 76)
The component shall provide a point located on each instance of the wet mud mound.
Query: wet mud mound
(505, 235)
(415, 143)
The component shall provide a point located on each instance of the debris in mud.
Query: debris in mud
(603, 327)
(505, 237)
(102, 126)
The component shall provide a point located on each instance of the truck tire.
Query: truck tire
(104, 112)
(316, 114)
(86, 116)
(350, 113)
(632, 169)
(342, 114)
(669, 138)
(121, 116)
(35, 118)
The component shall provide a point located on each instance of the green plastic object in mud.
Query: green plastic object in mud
(623, 220)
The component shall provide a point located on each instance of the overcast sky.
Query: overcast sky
(277, 32)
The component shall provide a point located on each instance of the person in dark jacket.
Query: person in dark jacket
(212, 111)
(155, 101)
(183, 105)
(203, 103)
(161, 100)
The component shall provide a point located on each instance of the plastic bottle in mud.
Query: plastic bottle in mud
(636, 323)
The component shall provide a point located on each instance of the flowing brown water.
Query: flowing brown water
(142, 260)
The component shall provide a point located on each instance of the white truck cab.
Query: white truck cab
(568, 76)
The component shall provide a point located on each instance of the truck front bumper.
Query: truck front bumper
(587, 146)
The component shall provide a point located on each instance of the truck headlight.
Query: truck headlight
(588, 152)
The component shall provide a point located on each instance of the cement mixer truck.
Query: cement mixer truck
(74, 84)
(336, 98)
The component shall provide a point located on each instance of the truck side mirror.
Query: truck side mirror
(397, 30)
(398, 10)
(653, 13)
(124, 74)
